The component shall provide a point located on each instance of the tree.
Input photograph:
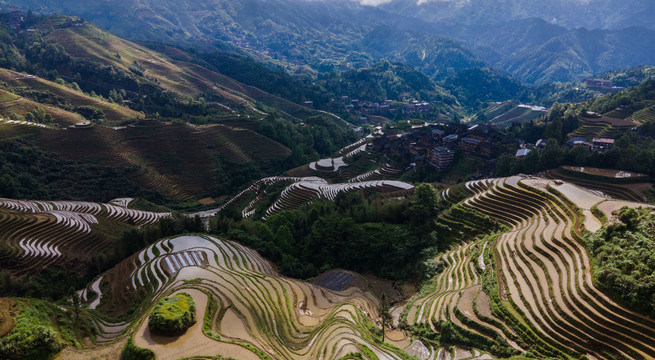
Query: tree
(554, 130)
(425, 205)
(383, 312)
(75, 297)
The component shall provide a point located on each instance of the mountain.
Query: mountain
(571, 14)
(325, 35)
(310, 36)
(538, 52)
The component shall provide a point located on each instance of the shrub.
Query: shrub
(132, 352)
(33, 337)
(173, 315)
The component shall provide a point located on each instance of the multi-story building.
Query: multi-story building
(441, 158)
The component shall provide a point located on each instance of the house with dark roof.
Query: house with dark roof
(469, 145)
(441, 158)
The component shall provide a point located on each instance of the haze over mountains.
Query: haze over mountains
(571, 14)
(536, 42)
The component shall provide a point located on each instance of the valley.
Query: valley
(347, 180)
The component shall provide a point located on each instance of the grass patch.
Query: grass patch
(463, 169)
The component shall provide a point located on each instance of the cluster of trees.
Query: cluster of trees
(633, 99)
(624, 258)
(173, 315)
(383, 80)
(388, 238)
(627, 154)
(477, 86)
(38, 115)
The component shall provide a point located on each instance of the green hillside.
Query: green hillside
(116, 84)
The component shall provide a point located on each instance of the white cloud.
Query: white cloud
(419, 2)
(374, 2)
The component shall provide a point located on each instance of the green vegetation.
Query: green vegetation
(132, 352)
(624, 258)
(631, 76)
(385, 81)
(41, 329)
(348, 233)
(478, 86)
(599, 214)
(319, 136)
(39, 115)
(30, 173)
(627, 154)
(173, 315)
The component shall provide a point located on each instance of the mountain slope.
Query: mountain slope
(166, 152)
(63, 103)
(180, 77)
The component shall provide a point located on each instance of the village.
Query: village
(440, 146)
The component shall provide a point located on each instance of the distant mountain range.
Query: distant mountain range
(440, 38)
(571, 14)
(538, 52)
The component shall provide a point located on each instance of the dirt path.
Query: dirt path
(611, 207)
(108, 352)
(193, 342)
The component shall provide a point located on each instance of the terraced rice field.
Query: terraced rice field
(378, 174)
(604, 127)
(516, 114)
(302, 192)
(543, 276)
(527, 287)
(623, 192)
(113, 112)
(249, 309)
(174, 159)
(24, 123)
(41, 233)
(336, 280)
(643, 116)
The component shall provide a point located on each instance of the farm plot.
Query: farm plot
(304, 191)
(545, 274)
(248, 309)
(530, 287)
(607, 127)
(619, 191)
(645, 115)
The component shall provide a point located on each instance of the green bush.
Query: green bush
(173, 315)
(34, 336)
(624, 258)
(132, 352)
